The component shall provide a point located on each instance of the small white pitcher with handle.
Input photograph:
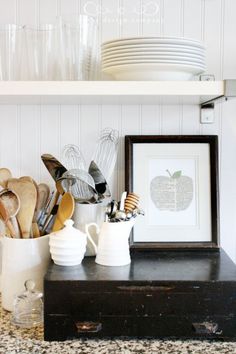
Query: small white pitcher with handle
(113, 242)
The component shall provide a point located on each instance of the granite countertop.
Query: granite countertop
(15, 340)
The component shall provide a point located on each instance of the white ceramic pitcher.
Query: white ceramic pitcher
(22, 259)
(113, 242)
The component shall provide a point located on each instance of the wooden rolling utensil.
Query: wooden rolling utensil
(27, 193)
(65, 211)
(5, 175)
(131, 202)
(9, 207)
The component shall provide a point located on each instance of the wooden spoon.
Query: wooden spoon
(34, 228)
(13, 220)
(5, 174)
(9, 207)
(28, 196)
(65, 211)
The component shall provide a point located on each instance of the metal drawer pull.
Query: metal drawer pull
(205, 327)
(88, 327)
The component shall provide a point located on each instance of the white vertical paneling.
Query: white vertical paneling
(90, 125)
(110, 19)
(27, 12)
(229, 40)
(150, 124)
(68, 8)
(171, 119)
(172, 18)
(130, 125)
(131, 14)
(212, 36)
(69, 132)
(48, 11)
(191, 120)
(228, 178)
(9, 138)
(49, 137)
(151, 18)
(192, 19)
(29, 141)
(8, 11)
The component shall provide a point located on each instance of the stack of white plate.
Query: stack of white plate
(153, 58)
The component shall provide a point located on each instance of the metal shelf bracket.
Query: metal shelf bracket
(229, 92)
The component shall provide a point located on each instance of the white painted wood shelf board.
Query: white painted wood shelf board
(109, 92)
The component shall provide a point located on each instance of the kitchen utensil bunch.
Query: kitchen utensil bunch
(90, 186)
(125, 210)
(22, 202)
(64, 50)
(153, 58)
(77, 183)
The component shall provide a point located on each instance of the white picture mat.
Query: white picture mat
(191, 225)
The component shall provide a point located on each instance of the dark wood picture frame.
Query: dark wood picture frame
(212, 140)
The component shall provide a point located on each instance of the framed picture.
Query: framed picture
(176, 178)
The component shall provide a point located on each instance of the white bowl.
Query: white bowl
(153, 72)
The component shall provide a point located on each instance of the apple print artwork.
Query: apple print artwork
(173, 192)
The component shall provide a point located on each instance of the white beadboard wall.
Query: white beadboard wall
(28, 131)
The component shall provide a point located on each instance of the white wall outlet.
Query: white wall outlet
(207, 115)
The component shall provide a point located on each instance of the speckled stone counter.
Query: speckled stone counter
(14, 340)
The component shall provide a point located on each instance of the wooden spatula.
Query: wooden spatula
(27, 194)
(65, 211)
(5, 174)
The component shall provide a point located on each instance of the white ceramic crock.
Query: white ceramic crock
(22, 259)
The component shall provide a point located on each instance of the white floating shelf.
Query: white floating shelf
(110, 92)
